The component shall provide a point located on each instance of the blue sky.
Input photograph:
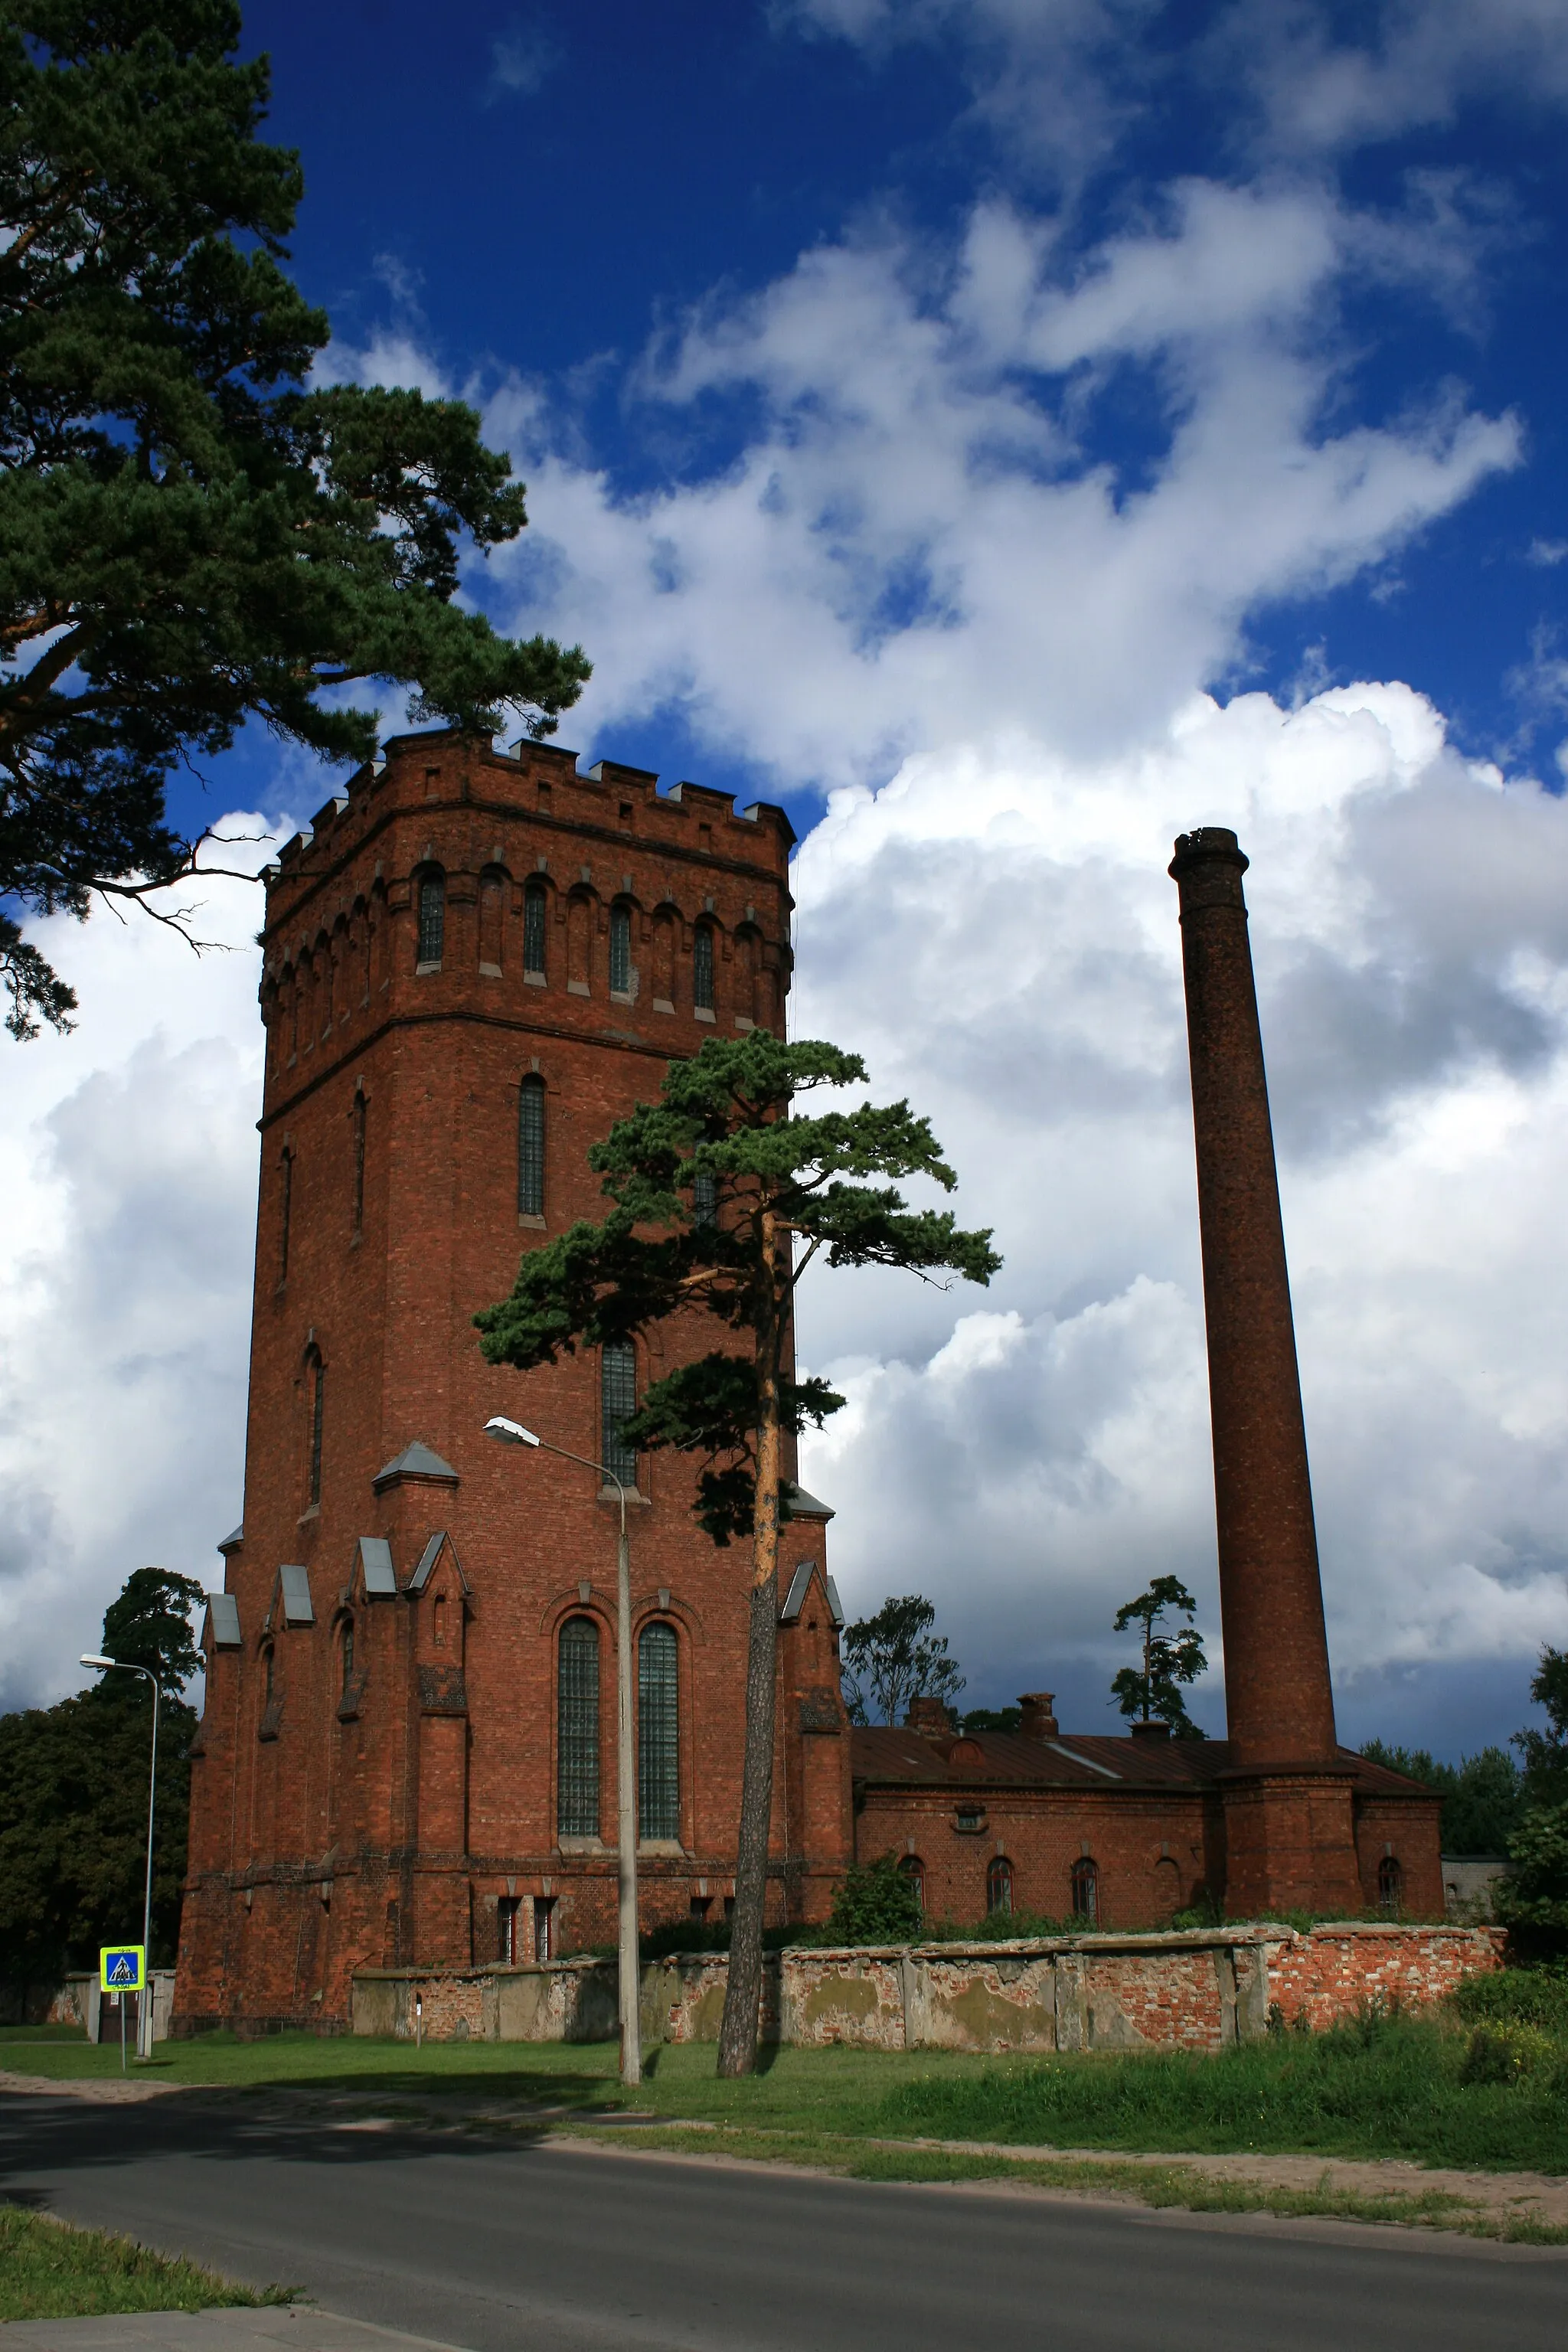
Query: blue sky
(1007, 433)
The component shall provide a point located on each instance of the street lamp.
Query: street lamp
(511, 1432)
(144, 2007)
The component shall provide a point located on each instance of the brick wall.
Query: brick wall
(1197, 1990)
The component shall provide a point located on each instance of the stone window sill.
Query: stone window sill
(490, 970)
(662, 1004)
(741, 1022)
(576, 988)
(613, 1495)
(580, 1845)
(421, 969)
(306, 1517)
(703, 1013)
(534, 980)
(671, 1847)
(623, 996)
(525, 1217)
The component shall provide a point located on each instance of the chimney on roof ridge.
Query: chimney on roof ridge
(928, 1717)
(1036, 1717)
(1152, 1729)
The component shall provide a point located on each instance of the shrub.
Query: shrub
(876, 1903)
(1506, 2054)
(1537, 1997)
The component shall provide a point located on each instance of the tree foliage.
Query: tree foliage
(1152, 1693)
(894, 1657)
(194, 531)
(722, 1193)
(1533, 1904)
(1544, 1754)
(1481, 1799)
(73, 1797)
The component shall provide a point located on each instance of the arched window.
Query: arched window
(912, 1867)
(579, 946)
(347, 1645)
(999, 1883)
(316, 1374)
(1390, 1884)
(533, 930)
(1085, 1889)
(329, 966)
(267, 1663)
(702, 967)
(432, 919)
(618, 1392)
(620, 950)
(530, 1148)
(658, 1732)
(492, 908)
(577, 1729)
(664, 962)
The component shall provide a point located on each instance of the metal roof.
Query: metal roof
(297, 1608)
(416, 1460)
(223, 1616)
(802, 1505)
(893, 1755)
(835, 1604)
(232, 1542)
(375, 1561)
(796, 1602)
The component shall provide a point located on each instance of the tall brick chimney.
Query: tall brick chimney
(1289, 1836)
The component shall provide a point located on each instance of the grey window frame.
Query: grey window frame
(702, 962)
(620, 949)
(578, 1740)
(617, 1401)
(659, 1731)
(535, 927)
(431, 916)
(531, 1133)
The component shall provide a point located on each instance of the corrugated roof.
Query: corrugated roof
(896, 1756)
(223, 1616)
(796, 1602)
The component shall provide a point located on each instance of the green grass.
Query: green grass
(49, 2271)
(1490, 2092)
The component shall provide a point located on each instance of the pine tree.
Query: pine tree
(192, 533)
(724, 1193)
(1152, 1693)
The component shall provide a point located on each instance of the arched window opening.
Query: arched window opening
(704, 1197)
(618, 1391)
(620, 950)
(492, 909)
(329, 964)
(577, 1729)
(1390, 1884)
(1085, 1889)
(360, 1114)
(702, 967)
(530, 1148)
(507, 1910)
(431, 921)
(579, 946)
(317, 1374)
(296, 990)
(999, 1883)
(366, 955)
(912, 1868)
(347, 1645)
(533, 930)
(664, 962)
(748, 957)
(658, 1732)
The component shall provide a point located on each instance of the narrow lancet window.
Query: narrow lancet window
(360, 1117)
(658, 1732)
(318, 1379)
(285, 1214)
(432, 918)
(620, 950)
(577, 1731)
(702, 968)
(533, 930)
(531, 1149)
(619, 1377)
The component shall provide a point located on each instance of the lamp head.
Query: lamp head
(100, 1663)
(509, 1433)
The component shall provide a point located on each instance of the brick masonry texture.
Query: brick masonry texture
(376, 1777)
(1201, 1990)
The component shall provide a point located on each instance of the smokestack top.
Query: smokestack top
(1208, 843)
(928, 1716)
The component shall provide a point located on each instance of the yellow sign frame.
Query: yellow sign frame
(115, 1956)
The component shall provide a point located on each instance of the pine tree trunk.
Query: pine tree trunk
(742, 1997)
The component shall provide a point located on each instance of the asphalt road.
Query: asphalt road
(516, 2246)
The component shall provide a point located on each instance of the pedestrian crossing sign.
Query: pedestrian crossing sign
(122, 1968)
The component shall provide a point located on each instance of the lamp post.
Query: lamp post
(511, 1432)
(145, 2009)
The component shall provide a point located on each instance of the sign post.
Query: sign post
(122, 1969)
